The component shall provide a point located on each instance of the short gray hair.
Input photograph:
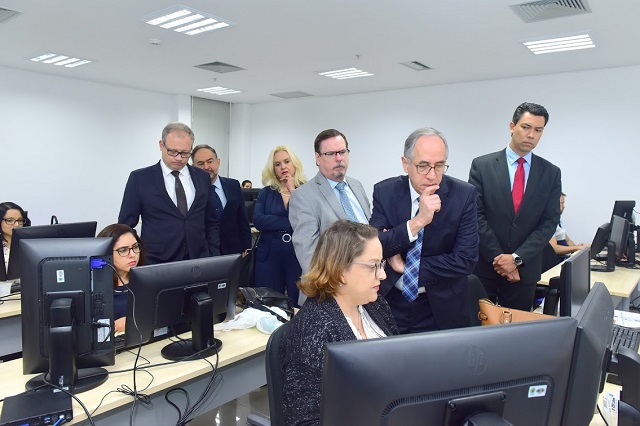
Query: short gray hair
(177, 127)
(410, 143)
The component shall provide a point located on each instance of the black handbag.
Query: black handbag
(263, 298)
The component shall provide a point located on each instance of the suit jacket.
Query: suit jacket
(164, 229)
(270, 217)
(302, 352)
(503, 231)
(449, 248)
(235, 232)
(313, 208)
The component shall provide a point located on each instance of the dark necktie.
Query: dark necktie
(217, 202)
(346, 204)
(412, 268)
(518, 185)
(181, 197)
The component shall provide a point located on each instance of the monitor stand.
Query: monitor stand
(611, 259)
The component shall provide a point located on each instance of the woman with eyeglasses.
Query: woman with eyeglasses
(343, 304)
(127, 253)
(276, 264)
(13, 216)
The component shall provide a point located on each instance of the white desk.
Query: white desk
(621, 283)
(10, 326)
(241, 367)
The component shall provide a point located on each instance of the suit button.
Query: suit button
(514, 224)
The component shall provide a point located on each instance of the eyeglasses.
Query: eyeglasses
(11, 221)
(124, 251)
(174, 153)
(332, 154)
(425, 169)
(376, 267)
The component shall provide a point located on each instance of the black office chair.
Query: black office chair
(275, 381)
(549, 260)
(475, 292)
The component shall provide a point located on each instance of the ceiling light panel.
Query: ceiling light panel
(560, 44)
(346, 73)
(218, 90)
(60, 60)
(186, 20)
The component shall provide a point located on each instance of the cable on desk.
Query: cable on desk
(602, 415)
(44, 379)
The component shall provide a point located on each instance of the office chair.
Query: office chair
(275, 382)
(549, 260)
(475, 292)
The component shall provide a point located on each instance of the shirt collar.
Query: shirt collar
(412, 191)
(512, 157)
(166, 171)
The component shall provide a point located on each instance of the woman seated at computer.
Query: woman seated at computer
(127, 253)
(13, 216)
(276, 264)
(343, 304)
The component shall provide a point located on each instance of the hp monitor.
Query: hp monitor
(171, 298)
(66, 230)
(516, 373)
(67, 311)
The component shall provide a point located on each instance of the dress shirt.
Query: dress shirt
(170, 184)
(512, 162)
(371, 329)
(355, 205)
(220, 192)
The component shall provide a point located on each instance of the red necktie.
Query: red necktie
(518, 185)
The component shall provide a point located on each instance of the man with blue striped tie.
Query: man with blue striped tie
(428, 227)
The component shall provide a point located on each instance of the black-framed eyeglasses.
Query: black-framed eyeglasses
(332, 154)
(175, 153)
(425, 169)
(11, 221)
(124, 251)
(375, 267)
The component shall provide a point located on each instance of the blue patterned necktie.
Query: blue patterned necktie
(217, 203)
(412, 268)
(346, 204)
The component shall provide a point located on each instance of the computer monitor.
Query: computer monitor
(250, 194)
(619, 235)
(172, 298)
(573, 284)
(67, 311)
(514, 372)
(590, 359)
(66, 230)
(624, 209)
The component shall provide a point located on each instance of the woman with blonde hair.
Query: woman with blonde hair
(276, 264)
(343, 304)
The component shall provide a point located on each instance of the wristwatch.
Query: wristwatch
(516, 259)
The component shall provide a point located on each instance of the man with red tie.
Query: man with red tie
(518, 210)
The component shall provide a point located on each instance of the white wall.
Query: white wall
(68, 145)
(591, 132)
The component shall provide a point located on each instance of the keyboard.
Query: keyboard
(118, 342)
(624, 337)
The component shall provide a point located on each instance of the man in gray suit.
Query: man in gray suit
(518, 210)
(326, 198)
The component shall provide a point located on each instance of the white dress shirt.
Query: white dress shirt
(185, 179)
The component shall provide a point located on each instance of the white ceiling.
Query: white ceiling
(282, 44)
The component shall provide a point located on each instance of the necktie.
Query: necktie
(346, 204)
(181, 197)
(217, 202)
(518, 185)
(412, 268)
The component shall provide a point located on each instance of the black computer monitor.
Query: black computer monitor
(250, 194)
(619, 235)
(172, 298)
(67, 311)
(590, 359)
(65, 230)
(624, 209)
(514, 372)
(574, 283)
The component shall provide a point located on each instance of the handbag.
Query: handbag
(491, 314)
(263, 298)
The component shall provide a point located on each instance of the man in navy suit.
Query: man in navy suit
(435, 217)
(235, 232)
(174, 201)
(516, 220)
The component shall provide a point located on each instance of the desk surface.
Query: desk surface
(11, 306)
(238, 346)
(621, 282)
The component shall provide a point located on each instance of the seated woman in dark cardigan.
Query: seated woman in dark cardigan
(343, 304)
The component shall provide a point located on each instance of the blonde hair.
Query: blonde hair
(269, 177)
(342, 242)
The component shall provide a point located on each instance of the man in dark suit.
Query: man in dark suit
(235, 232)
(518, 210)
(428, 227)
(173, 199)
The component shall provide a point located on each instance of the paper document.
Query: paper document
(626, 319)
